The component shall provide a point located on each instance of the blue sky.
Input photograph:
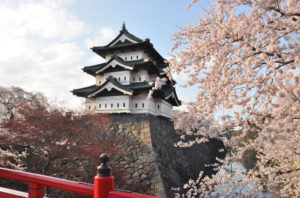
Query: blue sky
(45, 43)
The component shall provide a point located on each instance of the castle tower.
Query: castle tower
(122, 86)
(125, 79)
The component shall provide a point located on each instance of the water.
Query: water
(236, 190)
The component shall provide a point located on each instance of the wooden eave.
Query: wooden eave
(145, 45)
(83, 92)
(173, 98)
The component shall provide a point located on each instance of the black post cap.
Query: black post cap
(104, 170)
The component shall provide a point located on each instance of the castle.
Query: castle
(122, 86)
(123, 82)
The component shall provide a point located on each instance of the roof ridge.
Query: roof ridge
(125, 31)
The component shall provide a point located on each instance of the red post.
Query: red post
(102, 186)
(35, 191)
(103, 181)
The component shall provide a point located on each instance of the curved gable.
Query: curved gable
(123, 38)
(109, 86)
(113, 63)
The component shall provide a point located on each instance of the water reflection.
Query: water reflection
(233, 187)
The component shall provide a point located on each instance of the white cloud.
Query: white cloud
(39, 50)
(107, 33)
(96, 59)
(46, 19)
(103, 36)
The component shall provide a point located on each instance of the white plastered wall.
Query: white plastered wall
(109, 104)
(134, 105)
(125, 77)
(151, 106)
(142, 75)
(122, 76)
(90, 104)
(129, 56)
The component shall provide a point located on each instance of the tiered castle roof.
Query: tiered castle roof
(154, 65)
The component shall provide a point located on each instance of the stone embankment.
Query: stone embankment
(151, 158)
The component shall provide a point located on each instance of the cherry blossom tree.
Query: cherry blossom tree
(244, 55)
(188, 124)
(10, 99)
(62, 143)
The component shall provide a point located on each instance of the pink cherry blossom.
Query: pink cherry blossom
(244, 57)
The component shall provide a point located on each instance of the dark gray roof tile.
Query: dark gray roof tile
(85, 90)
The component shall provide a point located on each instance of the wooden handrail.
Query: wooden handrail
(102, 188)
(43, 180)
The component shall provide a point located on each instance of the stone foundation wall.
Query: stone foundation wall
(139, 161)
(155, 166)
(177, 165)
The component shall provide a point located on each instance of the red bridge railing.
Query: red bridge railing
(103, 184)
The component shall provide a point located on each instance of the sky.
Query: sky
(45, 43)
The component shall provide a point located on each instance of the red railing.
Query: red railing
(102, 188)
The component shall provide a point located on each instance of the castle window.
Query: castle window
(136, 105)
(131, 57)
(118, 105)
(105, 105)
(89, 106)
(137, 57)
(100, 82)
(125, 58)
(158, 106)
(111, 105)
(123, 104)
(124, 77)
(143, 105)
(133, 79)
(100, 106)
(140, 78)
(119, 78)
